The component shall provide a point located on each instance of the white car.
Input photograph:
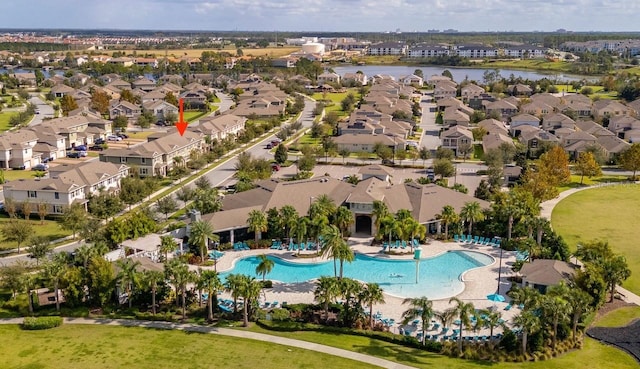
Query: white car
(114, 138)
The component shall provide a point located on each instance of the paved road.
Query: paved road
(431, 131)
(45, 110)
(238, 333)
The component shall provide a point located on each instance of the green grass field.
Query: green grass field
(536, 64)
(14, 175)
(89, 347)
(4, 120)
(575, 181)
(605, 213)
(619, 317)
(50, 229)
(594, 353)
(336, 100)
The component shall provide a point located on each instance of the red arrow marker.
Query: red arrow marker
(181, 125)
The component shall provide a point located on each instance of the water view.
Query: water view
(438, 278)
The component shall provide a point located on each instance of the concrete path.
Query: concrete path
(231, 333)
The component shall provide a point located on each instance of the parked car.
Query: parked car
(80, 148)
(74, 154)
(37, 111)
(160, 123)
(275, 167)
(96, 148)
(114, 138)
(122, 135)
(82, 153)
(98, 141)
(46, 160)
(41, 167)
(431, 174)
(269, 146)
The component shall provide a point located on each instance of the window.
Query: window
(56, 195)
(143, 160)
(32, 194)
(143, 171)
(123, 159)
(57, 209)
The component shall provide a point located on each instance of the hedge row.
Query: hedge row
(41, 322)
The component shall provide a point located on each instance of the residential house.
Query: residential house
(387, 48)
(144, 84)
(153, 96)
(157, 156)
(358, 78)
(523, 120)
(16, 150)
(470, 91)
(445, 89)
(552, 122)
(49, 145)
(194, 99)
(502, 108)
(328, 77)
(428, 51)
(475, 51)
(160, 109)
(262, 106)
(124, 108)
(284, 62)
(547, 98)
(28, 79)
(609, 108)
(61, 90)
(578, 142)
(534, 138)
(493, 126)
(412, 79)
(454, 117)
(525, 52)
(435, 78)
(536, 108)
(612, 146)
(367, 142)
(623, 126)
(511, 175)
(519, 89)
(456, 136)
(54, 192)
(220, 126)
(95, 175)
(492, 141)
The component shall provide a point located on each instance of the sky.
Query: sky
(325, 15)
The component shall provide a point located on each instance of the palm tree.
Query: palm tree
(344, 253)
(257, 222)
(446, 316)
(289, 216)
(389, 226)
(28, 281)
(614, 271)
(472, 212)
(250, 291)
(556, 307)
(343, 219)
(210, 281)
(324, 205)
(411, 228)
(492, 319)
(301, 229)
(265, 266)
(579, 303)
(180, 275)
(127, 276)
(152, 279)
(420, 307)
(83, 254)
(372, 294)
(528, 297)
(539, 224)
(233, 286)
(54, 270)
(200, 234)
(325, 293)
(380, 210)
(167, 245)
(448, 216)
(463, 310)
(178, 161)
(331, 242)
(350, 290)
(529, 323)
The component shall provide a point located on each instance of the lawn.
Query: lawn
(14, 175)
(619, 317)
(336, 100)
(535, 64)
(50, 229)
(594, 353)
(575, 181)
(140, 135)
(190, 116)
(88, 347)
(4, 120)
(606, 213)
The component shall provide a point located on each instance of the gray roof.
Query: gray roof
(547, 272)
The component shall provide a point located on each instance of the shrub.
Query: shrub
(267, 283)
(176, 225)
(41, 322)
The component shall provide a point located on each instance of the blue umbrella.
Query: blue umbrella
(496, 297)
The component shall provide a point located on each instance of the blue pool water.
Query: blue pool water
(439, 277)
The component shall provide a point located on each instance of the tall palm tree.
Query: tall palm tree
(331, 242)
(127, 276)
(257, 222)
(411, 229)
(289, 216)
(380, 210)
(555, 306)
(28, 281)
(250, 291)
(350, 290)
(529, 323)
(580, 304)
(54, 270)
(446, 316)
(540, 224)
(420, 307)
(448, 216)
(464, 311)
(301, 229)
(492, 319)
(232, 285)
(83, 254)
(200, 234)
(372, 294)
(389, 226)
(325, 293)
(526, 296)
(472, 212)
(152, 278)
(403, 214)
(211, 283)
(343, 219)
(344, 253)
(265, 266)
(325, 205)
(181, 276)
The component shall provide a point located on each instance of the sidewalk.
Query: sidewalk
(231, 333)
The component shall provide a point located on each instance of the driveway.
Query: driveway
(431, 131)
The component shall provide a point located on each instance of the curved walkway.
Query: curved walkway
(232, 333)
(546, 209)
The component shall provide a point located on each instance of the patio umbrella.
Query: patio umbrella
(496, 297)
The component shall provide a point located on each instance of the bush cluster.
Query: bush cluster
(41, 322)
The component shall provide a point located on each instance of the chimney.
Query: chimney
(195, 215)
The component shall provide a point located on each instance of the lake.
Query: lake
(459, 74)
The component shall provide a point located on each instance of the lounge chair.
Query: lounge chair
(508, 307)
(404, 244)
(416, 242)
(274, 304)
(475, 239)
(469, 238)
(455, 237)
(266, 305)
(481, 241)
(436, 326)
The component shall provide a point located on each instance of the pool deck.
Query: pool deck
(479, 282)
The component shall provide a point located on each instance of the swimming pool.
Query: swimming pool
(439, 277)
